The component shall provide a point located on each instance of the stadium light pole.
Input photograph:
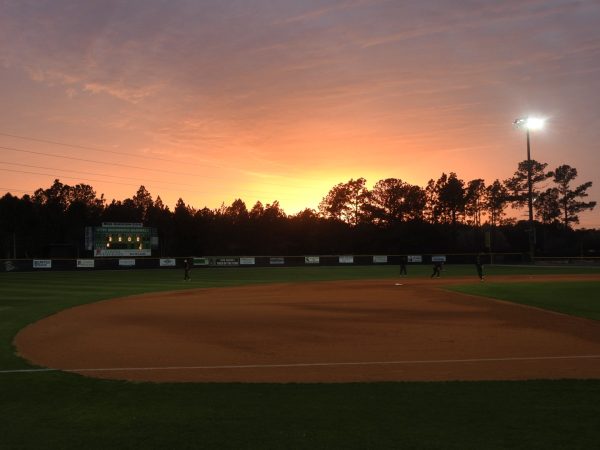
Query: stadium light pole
(530, 123)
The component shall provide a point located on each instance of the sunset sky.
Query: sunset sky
(282, 99)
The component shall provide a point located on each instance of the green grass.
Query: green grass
(54, 410)
(578, 298)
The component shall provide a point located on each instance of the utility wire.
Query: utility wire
(71, 178)
(91, 173)
(114, 152)
(114, 182)
(72, 158)
(85, 147)
(8, 190)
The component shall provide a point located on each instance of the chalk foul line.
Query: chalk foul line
(323, 364)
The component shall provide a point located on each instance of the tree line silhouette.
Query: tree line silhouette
(394, 217)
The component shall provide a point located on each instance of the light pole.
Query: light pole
(530, 123)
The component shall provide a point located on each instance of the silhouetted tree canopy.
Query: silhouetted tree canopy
(568, 199)
(517, 185)
(394, 216)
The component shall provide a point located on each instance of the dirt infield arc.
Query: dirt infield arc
(346, 331)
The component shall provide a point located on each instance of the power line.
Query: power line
(128, 166)
(65, 176)
(251, 191)
(85, 147)
(114, 152)
(88, 173)
(112, 163)
(8, 190)
(114, 182)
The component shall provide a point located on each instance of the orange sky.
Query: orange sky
(215, 100)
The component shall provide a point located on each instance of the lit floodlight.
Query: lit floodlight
(535, 123)
(530, 123)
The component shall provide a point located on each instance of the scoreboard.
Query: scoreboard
(121, 239)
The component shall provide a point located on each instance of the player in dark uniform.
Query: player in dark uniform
(479, 266)
(186, 269)
(403, 260)
(437, 269)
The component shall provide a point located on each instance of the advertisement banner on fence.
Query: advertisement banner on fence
(346, 259)
(276, 260)
(438, 258)
(247, 261)
(122, 252)
(167, 262)
(380, 259)
(415, 258)
(42, 264)
(311, 260)
(127, 262)
(200, 261)
(85, 263)
(226, 262)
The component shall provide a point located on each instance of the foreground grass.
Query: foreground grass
(65, 411)
(60, 410)
(578, 298)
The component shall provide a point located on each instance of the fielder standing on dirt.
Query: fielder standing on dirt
(437, 269)
(479, 266)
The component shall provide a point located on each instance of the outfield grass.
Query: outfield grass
(61, 410)
(578, 298)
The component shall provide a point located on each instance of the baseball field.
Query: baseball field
(306, 357)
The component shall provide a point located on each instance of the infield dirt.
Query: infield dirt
(344, 331)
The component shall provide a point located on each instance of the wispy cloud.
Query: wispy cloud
(320, 11)
(258, 89)
(133, 95)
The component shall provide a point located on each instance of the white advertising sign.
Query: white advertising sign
(167, 262)
(42, 263)
(122, 252)
(415, 258)
(227, 261)
(346, 259)
(85, 263)
(438, 258)
(311, 260)
(127, 262)
(380, 259)
(122, 224)
(247, 261)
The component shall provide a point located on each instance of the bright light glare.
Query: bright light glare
(534, 123)
(531, 123)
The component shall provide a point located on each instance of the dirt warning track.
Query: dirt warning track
(345, 331)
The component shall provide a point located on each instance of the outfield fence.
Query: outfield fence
(130, 263)
(567, 261)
